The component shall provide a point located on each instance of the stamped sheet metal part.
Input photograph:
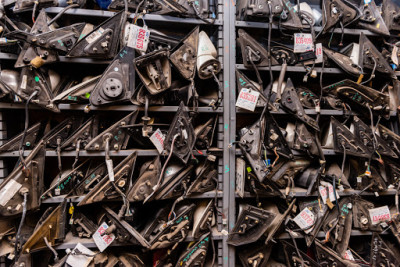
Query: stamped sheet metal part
(277, 222)
(320, 213)
(337, 226)
(181, 138)
(338, 12)
(252, 52)
(164, 233)
(344, 139)
(106, 189)
(293, 259)
(381, 254)
(83, 135)
(61, 39)
(154, 70)
(251, 224)
(78, 93)
(184, 55)
(256, 254)
(32, 80)
(206, 177)
(61, 132)
(360, 97)
(291, 102)
(203, 218)
(258, 9)
(305, 141)
(117, 82)
(103, 42)
(390, 14)
(370, 58)
(327, 257)
(274, 138)
(23, 180)
(65, 184)
(148, 177)
(372, 140)
(361, 215)
(51, 230)
(372, 20)
(390, 137)
(31, 138)
(195, 255)
(344, 62)
(93, 176)
(115, 135)
(123, 230)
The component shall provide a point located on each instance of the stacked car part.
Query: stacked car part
(115, 126)
(315, 143)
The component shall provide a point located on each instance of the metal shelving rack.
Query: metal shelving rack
(222, 24)
(234, 112)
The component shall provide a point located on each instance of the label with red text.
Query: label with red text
(157, 138)
(381, 214)
(326, 191)
(247, 99)
(138, 38)
(348, 255)
(303, 42)
(305, 219)
(102, 240)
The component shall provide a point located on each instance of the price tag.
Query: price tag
(319, 53)
(103, 241)
(378, 215)
(95, 35)
(157, 138)
(305, 219)
(367, 2)
(8, 191)
(348, 255)
(110, 169)
(395, 58)
(327, 190)
(138, 37)
(247, 99)
(80, 260)
(303, 42)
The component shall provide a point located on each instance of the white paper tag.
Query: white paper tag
(367, 2)
(247, 99)
(157, 138)
(240, 179)
(305, 219)
(95, 35)
(8, 191)
(323, 192)
(348, 255)
(24, 82)
(103, 241)
(395, 58)
(331, 193)
(359, 179)
(80, 260)
(138, 38)
(110, 169)
(318, 53)
(378, 215)
(303, 42)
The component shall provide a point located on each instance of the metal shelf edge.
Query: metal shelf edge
(147, 17)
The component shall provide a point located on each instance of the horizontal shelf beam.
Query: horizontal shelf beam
(147, 17)
(300, 69)
(77, 199)
(238, 152)
(322, 234)
(323, 112)
(265, 25)
(120, 153)
(301, 192)
(77, 107)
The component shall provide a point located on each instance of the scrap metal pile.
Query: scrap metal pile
(129, 192)
(323, 134)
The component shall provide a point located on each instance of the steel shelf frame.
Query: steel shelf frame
(234, 112)
(222, 40)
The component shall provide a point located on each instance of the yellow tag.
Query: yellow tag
(329, 203)
(248, 169)
(71, 209)
(360, 78)
(378, 25)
